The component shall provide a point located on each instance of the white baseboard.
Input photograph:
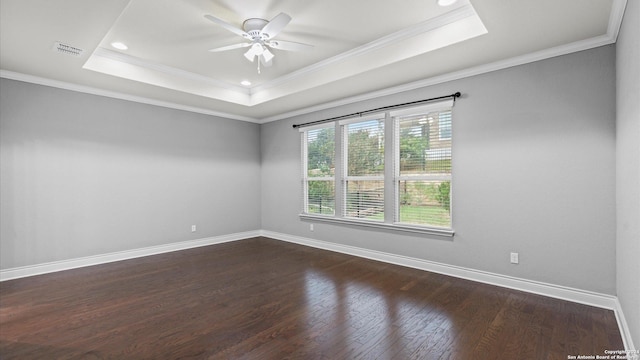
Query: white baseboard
(624, 328)
(550, 290)
(31, 270)
(555, 291)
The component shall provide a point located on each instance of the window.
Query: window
(444, 125)
(423, 171)
(394, 170)
(319, 170)
(364, 169)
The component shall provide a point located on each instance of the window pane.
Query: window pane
(365, 199)
(365, 148)
(423, 148)
(425, 202)
(321, 152)
(424, 185)
(321, 197)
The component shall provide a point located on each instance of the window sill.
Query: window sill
(380, 225)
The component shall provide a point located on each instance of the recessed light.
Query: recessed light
(446, 2)
(245, 82)
(118, 45)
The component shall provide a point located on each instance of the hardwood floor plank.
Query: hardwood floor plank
(265, 299)
(488, 301)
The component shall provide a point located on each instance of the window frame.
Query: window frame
(344, 161)
(397, 116)
(390, 178)
(305, 174)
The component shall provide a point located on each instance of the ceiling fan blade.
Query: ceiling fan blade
(276, 25)
(230, 47)
(228, 26)
(288, 45)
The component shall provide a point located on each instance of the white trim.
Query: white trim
(169, 70)
(450, 17)
(540, 288)
(627, 340)
(31, 270)
(11, 75)
(590, 298)
(581, 45)
(555, 291)
(615, 21)
(444, 232)
(396, 226)
(456, 75)
(615, 18)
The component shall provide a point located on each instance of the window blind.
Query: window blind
(364, 168)
(390, 169)
(423, 166)
(318, 164)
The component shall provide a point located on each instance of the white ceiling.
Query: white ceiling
(361, 48)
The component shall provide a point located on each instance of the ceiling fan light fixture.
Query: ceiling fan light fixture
(256, 50)
(249, 55)
(267, 55)
(260, 33)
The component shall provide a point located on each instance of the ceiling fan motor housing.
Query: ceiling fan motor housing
(254, 28)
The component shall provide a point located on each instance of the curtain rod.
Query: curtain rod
(454, 96)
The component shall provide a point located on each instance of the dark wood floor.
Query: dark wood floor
(266, 299)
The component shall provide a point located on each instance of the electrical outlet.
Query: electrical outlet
(514, 258)
(311, 227)
(193, 228)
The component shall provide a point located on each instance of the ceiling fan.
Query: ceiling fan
(260, 33)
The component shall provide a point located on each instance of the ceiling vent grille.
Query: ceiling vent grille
(63, 48)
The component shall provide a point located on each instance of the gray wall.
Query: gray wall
(534, 172)
(628, 167)
(84, 175)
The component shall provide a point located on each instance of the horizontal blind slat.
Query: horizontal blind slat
(423, 163)
(364, 175)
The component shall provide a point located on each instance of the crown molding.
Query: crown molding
(613, 28)
(422, 27)
(456, 75)
(168, 70)
(615, 18)
(581, 45)
(12, 75)
(123, 65)
(615, 21)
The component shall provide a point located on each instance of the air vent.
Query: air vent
(63, 48)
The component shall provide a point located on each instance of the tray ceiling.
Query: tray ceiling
(360, 48)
